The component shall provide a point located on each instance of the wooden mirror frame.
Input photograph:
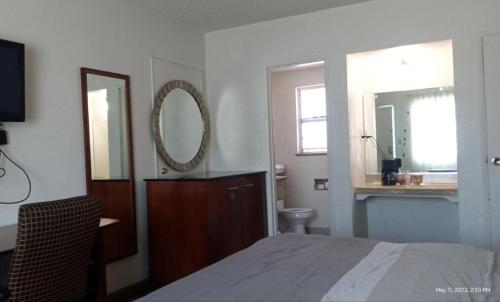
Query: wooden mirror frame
(160, 97)
(117, 195)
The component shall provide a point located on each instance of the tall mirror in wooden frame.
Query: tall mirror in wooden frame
(109, 156)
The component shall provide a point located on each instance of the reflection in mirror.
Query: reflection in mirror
(181, 125)
(107, 122)
(418, 126)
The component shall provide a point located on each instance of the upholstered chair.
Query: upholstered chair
(53, 248)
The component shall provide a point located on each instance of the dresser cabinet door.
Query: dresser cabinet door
(253, 202)
(177, 229)
(224, 219)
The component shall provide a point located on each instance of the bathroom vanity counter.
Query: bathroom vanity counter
(448, 191)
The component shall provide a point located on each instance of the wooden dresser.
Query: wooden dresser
(199, 219)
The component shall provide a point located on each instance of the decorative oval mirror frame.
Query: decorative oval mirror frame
(160, 97)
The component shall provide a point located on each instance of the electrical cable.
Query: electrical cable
(379, 149)
(373, 140)
(3, 172)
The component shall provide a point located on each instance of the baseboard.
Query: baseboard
(131, 292)
(318, 231)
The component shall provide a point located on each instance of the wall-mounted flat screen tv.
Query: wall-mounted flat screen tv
(12, 105)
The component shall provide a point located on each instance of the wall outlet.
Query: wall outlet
(3, 137)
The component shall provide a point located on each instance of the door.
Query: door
(253, 205)
(177, 229)
(224, 218)
(491, 48)
(164, 71)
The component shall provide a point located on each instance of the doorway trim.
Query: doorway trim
(270, 66)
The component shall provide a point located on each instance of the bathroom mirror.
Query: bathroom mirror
(180, 125)
(109, 165)
(418, 126)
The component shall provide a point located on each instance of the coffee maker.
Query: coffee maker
(390, 168)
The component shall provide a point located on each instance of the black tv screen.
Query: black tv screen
(11, 82)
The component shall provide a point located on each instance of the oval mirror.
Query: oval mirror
(180, 125)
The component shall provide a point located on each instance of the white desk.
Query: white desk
(8, 231)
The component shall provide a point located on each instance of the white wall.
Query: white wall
(61, 36)
(301, 170)
(236, 62)
(426, 65)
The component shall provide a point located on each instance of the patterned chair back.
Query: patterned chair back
(53, 248)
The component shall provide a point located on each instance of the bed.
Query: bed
(293, 267)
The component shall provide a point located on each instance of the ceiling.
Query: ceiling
(211, 15)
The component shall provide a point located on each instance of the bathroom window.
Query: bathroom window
(311, 120)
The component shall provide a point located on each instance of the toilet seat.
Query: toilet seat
(296, 213)
(297, 210)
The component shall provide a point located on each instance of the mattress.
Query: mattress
(293, 267)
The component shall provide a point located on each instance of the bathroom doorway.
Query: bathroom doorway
(299, 148)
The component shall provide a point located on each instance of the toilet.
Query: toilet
(296, 218)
